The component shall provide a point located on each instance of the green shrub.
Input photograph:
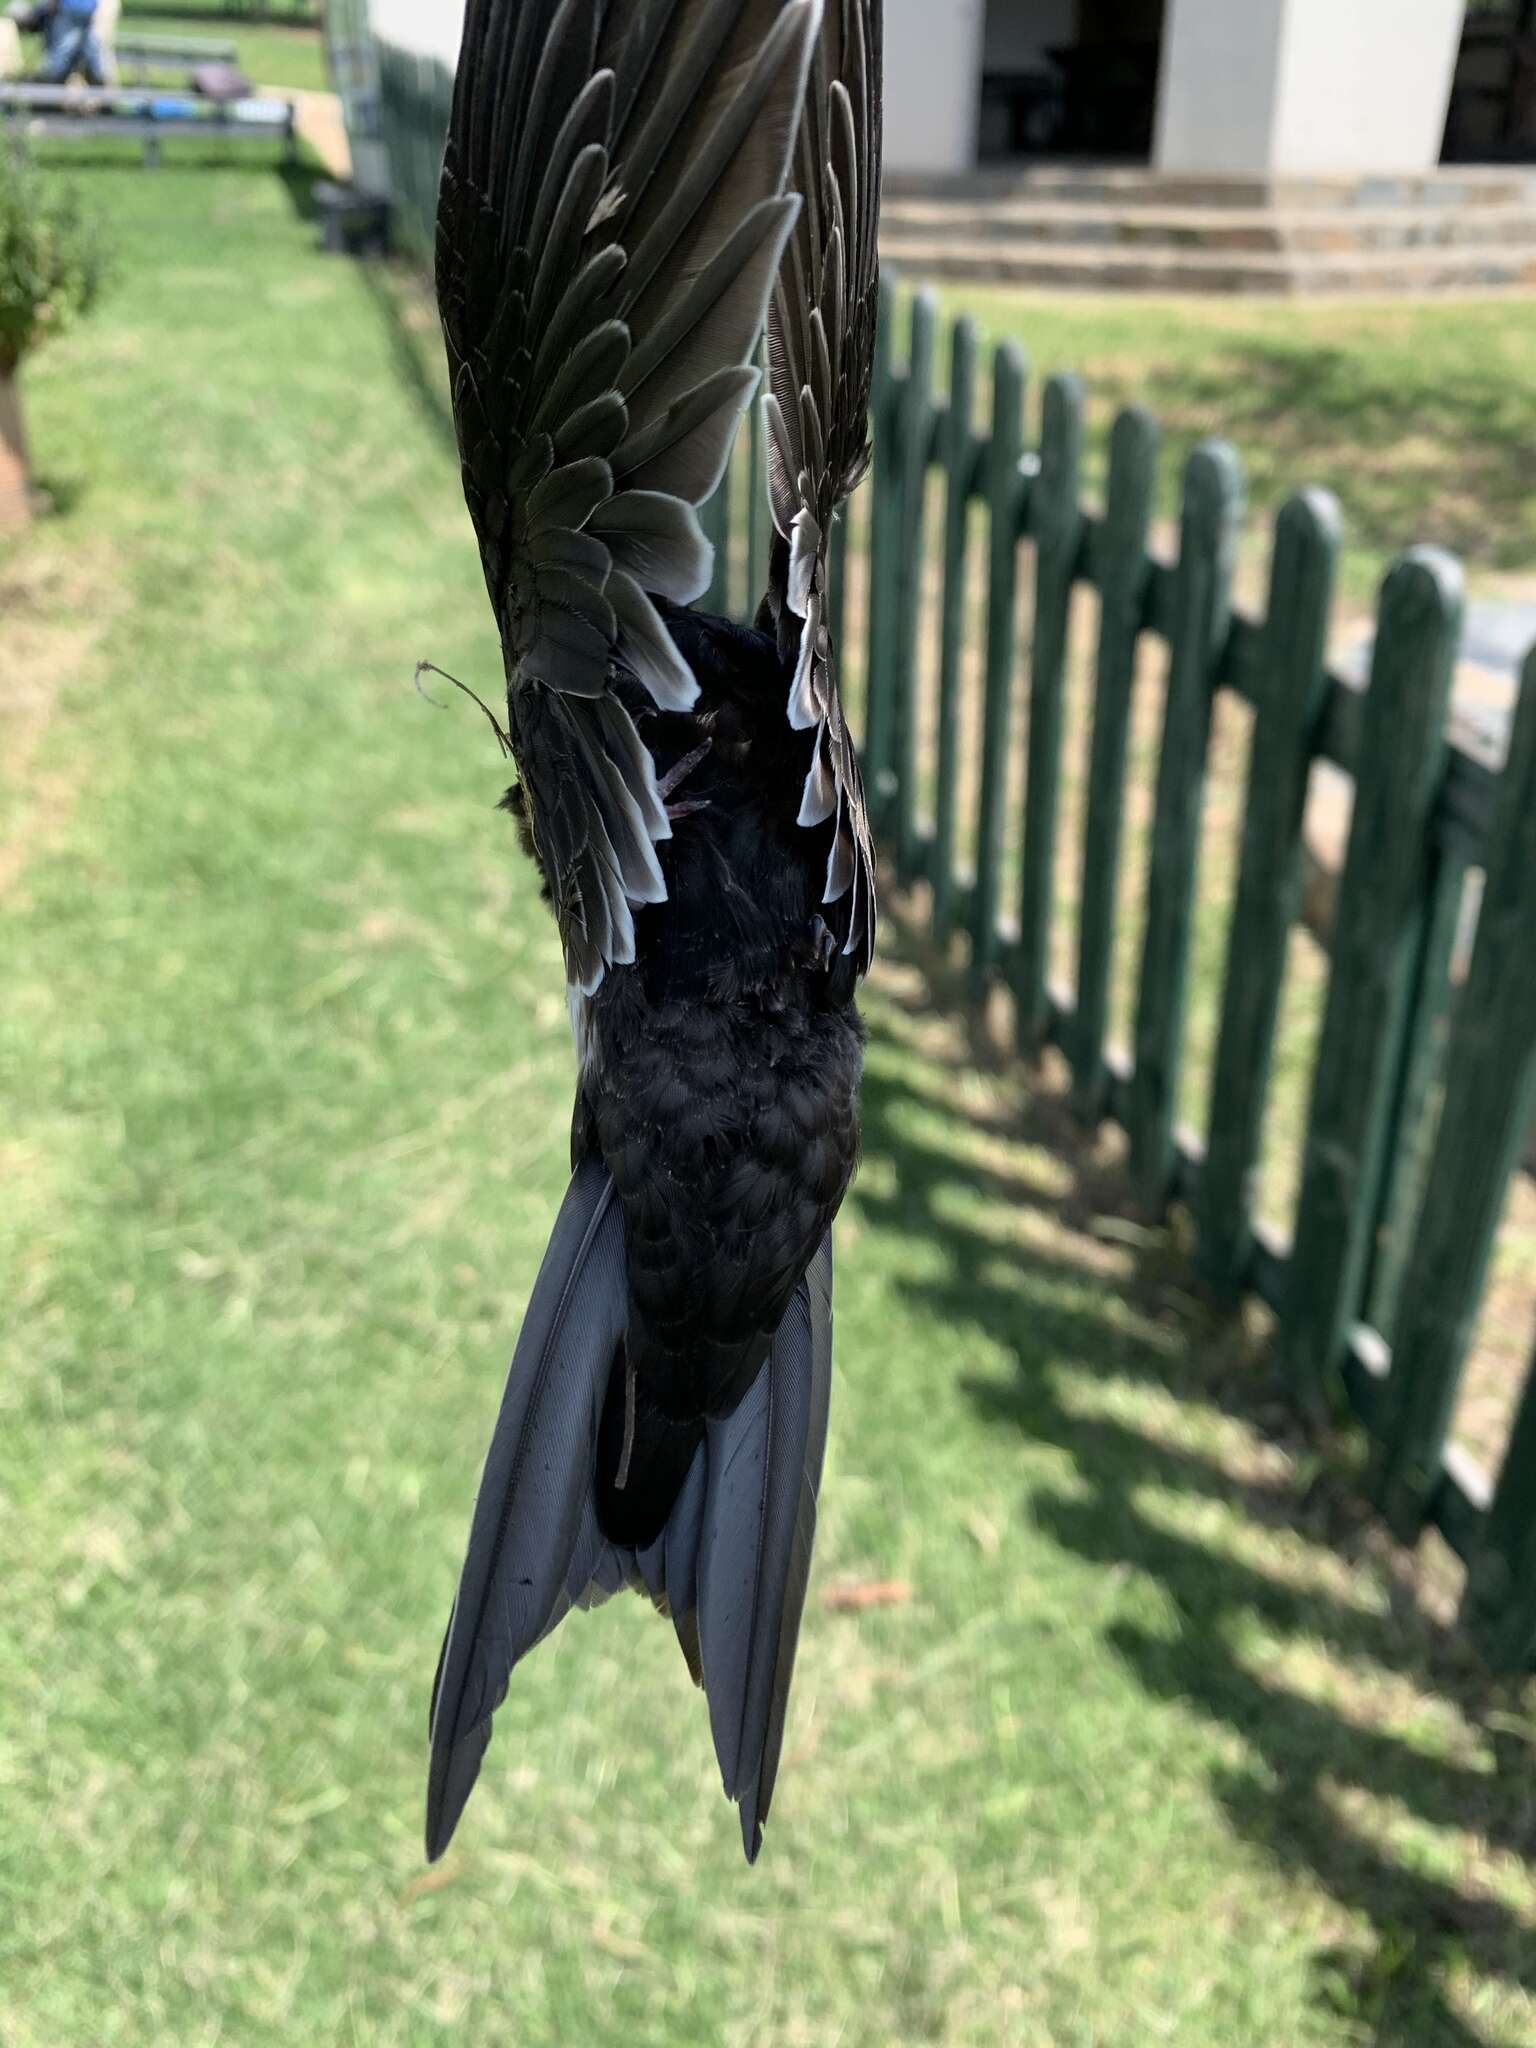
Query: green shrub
(52, 260)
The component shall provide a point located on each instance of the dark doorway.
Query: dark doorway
(1493, 100)
(1070, 78)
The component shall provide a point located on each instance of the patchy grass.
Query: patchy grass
(1160, 1747)
(1416, 413)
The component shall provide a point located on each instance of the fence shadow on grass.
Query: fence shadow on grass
(409, 320)
(1316, 1772)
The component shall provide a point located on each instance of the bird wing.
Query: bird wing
(612, 216)
(821, 346)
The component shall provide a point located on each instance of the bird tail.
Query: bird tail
(730, 1565)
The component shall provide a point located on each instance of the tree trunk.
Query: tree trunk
(15, 470)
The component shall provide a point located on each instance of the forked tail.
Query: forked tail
(731, 1565)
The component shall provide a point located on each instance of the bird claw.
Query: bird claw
(823, 943)
(687, 808)
(680, 771)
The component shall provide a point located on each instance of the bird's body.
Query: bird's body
(720, 1073)
(614, 223)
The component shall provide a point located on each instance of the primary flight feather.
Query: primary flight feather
(633, 192)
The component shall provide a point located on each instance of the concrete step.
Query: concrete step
(1120, 187)
(1024, 222)
(1377, 272)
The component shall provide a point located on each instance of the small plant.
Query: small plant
(51, 270)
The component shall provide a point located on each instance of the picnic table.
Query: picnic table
(140, 114)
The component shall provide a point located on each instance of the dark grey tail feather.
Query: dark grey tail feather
(536, 1488)
(730, 1567)
(755, 1551)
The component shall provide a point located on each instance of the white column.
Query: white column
(1297, 88)
(932, 83)
(1365, 86)
(1216, 93)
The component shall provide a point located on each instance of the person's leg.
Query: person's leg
(65, 47)
(94, 61)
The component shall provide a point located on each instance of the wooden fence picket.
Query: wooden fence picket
(1268, 901)
(1056, 524)
(1377, 932)
(1490, 1101)
(1213, 494)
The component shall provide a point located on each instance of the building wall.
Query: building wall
(1291, 88)
(933, 53)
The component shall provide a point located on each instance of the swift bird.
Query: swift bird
(632, 191)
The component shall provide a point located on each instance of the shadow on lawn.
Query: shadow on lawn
(406, 310)
(1312, 1769)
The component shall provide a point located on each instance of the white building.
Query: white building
(1205, 89)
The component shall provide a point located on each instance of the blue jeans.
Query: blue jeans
(72, 46)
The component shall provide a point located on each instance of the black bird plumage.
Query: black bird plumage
(633, 191)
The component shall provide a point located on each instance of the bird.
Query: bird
(652, 215)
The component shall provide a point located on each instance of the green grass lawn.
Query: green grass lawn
(1159, 1749)
(271, 52)
(1416, 413)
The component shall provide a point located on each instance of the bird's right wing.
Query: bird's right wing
(821, 353)
(611, 218)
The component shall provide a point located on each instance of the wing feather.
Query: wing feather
(821, 339)
(612, 217)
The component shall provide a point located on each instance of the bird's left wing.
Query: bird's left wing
(611, 218)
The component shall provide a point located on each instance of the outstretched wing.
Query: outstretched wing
(821, 346)
(612, 215)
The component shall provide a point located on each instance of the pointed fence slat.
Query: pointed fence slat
(837, 586)
(715, 518)
(1268, 901)
(1376, 936)
(1404, 1162)
(1056, 524)
(1490, 1100)
(959, 467)
(1133, 451)
(1005, 498)
(759, 520)
(884, 568)
(913, 426)
(1213, 499)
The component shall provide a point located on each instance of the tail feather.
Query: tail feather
(535, 1489)
(730, 1566)
(755, 1556)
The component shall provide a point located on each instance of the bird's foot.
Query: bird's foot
(674, 779)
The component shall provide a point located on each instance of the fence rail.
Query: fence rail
(1392, 1235)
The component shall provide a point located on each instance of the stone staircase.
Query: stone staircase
(1453, 230)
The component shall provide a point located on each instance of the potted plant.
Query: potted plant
(50, 272)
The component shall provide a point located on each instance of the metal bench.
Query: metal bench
(139, 114)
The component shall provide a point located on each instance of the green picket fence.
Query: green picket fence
(415, 100)
(1424, 814)
(1378, 1224)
